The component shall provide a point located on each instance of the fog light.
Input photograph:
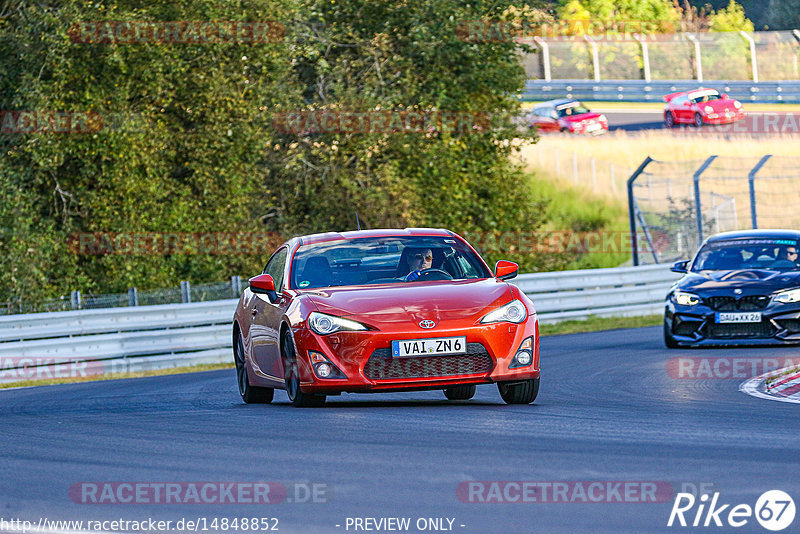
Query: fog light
(523, 358)
(323, 370)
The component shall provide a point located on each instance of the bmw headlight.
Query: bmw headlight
(686, 299)
(513, 312)
(324, 324)
(787, 297)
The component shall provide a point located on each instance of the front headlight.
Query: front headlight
(686, 299)
(708, 110)
(787, 297)
(737, 105)
(324, 324)
(513, 312)
(602, 118)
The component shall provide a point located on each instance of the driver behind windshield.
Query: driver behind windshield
(787, 258)
(418, 262)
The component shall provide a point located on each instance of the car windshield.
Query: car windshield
(572, 109)
(735, 254)
(705, 97)
(384, 260)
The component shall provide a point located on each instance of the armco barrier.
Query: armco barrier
(114, 340)
(654, 91)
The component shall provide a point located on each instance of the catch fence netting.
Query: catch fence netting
(676, 205)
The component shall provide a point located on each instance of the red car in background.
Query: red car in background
(701, 106)
(384, 310)
(564, 115)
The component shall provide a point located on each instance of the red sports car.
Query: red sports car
(384, 310)
(568, 116)
(703, 106)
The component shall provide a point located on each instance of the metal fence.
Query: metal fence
(755, 56)
(93, 342)
(673, 206)
(185, 293)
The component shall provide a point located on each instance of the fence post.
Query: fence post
(236, 285)
(698, 61)
(595, 57)
(186, 292)
(133, 296)
(631, 209)
(75, 300)
(697, 206)
(545, 57)
(751, 179)
(645, 56)
(753, 60)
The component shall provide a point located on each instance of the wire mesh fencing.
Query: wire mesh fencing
(673, 206)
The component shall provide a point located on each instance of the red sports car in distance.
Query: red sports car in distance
(702, 106)
(380, 311)
(568, 116)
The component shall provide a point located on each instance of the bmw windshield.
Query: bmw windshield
(738, 254)
(384, 260)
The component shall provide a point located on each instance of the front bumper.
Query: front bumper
(723, 118)
(696, 326)
(365, 358)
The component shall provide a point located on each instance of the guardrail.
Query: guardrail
(654, 91)
(116, 340)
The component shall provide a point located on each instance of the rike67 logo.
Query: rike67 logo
(774, 510)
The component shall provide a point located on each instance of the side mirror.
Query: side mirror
(679, 266)
(263, 284)
(506, 270)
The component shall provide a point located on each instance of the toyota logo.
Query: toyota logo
(427, 323)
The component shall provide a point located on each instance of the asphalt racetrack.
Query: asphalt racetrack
(607, 411)
(754, 123)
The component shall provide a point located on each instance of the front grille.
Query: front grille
(381, 365)
(728, 330)
(749, 303)
(685, 328)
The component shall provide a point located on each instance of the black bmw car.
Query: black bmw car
(741, 288)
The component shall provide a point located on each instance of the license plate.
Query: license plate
(749, 317)
(593, 127)
(429, 347)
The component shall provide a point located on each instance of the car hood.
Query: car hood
(750, 281)
(415, 301)
(720, 105)
(581, 117)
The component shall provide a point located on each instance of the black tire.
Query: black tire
(669, 120)
(292, 377)
(519, 392)
(250, 394)
(669, 341)
(460, 392)
(698, 120)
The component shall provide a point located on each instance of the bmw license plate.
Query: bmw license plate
(749, 317)
(429, 347)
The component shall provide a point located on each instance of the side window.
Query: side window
(275, 268)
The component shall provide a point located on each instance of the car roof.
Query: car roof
(743, 234)
(385, 232)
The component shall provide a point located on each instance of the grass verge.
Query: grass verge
(118, 376)
(596, 324)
